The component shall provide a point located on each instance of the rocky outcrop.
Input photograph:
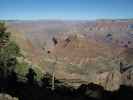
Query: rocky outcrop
(109, 80)
(127, 77)
(7, 97)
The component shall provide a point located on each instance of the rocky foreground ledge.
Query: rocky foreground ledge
(7, 97)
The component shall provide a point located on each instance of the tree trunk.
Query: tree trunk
(53, 85)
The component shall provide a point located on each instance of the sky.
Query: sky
(65, 9)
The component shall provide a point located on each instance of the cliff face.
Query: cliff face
(87, 61)
(82, 60)
(85, 51)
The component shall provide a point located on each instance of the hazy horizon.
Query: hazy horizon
(53, 19)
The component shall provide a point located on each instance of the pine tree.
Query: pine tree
(9, 52)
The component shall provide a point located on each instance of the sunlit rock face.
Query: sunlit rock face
(109, 80)
(7, 97)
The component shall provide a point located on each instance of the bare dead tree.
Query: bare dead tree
(53, 73)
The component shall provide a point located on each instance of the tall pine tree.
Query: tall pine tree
(9, 52)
